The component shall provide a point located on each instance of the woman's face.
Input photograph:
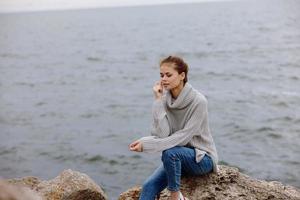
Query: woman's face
(169, 77)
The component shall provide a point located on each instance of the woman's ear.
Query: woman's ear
(182, 75)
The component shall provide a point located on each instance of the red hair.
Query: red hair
(180, 65)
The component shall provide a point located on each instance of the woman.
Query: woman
(180, 131)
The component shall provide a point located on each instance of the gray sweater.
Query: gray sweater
(181, 122)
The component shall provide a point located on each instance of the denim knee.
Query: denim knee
(169, 154)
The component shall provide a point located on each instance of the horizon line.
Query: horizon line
(74, 8)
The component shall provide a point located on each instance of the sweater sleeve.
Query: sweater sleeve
(160, 125)
(180, 137)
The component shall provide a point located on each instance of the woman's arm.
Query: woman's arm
(180, 137)
(160, 123)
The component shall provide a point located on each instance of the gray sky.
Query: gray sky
(30, 5)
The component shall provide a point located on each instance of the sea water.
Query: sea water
(76, 87)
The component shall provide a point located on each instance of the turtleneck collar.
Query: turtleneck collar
(184, 98)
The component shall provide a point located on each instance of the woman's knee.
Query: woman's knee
(171, 153)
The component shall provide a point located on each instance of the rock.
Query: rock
(29, 181)
(227, 184)
(9, 191)
(69, 185)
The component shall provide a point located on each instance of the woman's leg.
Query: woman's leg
(156, 183)
(191, 167)
(178, 160)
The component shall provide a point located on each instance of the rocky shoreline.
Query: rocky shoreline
(229, 183)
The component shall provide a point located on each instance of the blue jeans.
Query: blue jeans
(177, 161)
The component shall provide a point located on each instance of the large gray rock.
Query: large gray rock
(229, 183)
(69, 185)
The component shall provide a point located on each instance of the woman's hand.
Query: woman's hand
(136, 146)
(158, 90)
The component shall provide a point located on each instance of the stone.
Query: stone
(227, 184)
(10, 191)
(29, 181)
(71, 185)
(68, 185)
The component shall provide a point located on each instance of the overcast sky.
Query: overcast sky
(29, 5)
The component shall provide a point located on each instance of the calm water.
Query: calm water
(76, 87)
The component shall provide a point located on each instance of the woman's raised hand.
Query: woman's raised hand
(158, 90)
